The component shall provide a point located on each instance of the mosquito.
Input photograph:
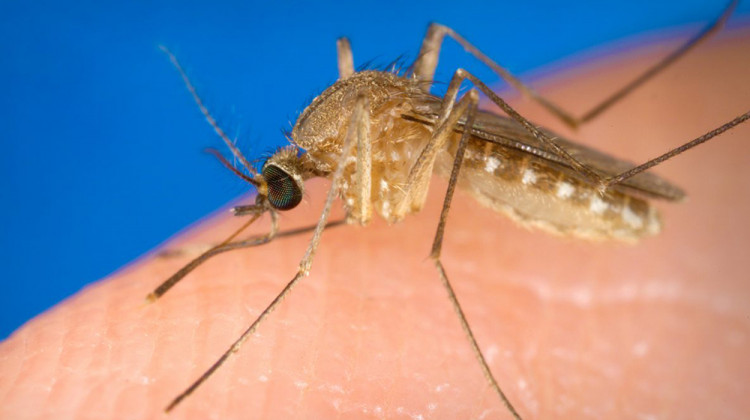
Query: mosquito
(379, 136)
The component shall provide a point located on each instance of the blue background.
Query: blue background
(101, 156)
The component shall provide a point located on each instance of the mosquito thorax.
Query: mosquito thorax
(323, 123)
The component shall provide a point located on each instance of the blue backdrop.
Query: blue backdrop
(101, 156)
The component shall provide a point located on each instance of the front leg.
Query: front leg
(360, 108)
(361, 212)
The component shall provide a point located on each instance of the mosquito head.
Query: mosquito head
(282, 183)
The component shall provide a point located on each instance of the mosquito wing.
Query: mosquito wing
(508, 133)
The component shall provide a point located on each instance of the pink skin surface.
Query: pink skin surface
(571, 329)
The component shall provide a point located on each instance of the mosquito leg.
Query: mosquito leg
(417, 183)
(356, 128)
(345, 58)
(676, 151)
(426, 64)
(226, 245)
(664, 63)
(198, 249)
(353, 130)
(185, 250)
(469, 110)
(424, 67)
(362, 211)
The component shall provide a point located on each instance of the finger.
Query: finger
(570, 329)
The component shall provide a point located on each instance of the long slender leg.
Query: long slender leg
(676, 151)
(416, 187)
(200, 249)
(467, 106)
(355, 128)
(426, 63)
(657, 68)
(415, 190)
(304, 266)
(362, 212)
(435, 255)
(226, 245)
(345, 58)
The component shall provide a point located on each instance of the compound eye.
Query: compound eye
(283, 191)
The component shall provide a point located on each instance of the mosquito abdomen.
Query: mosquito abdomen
(537, 193)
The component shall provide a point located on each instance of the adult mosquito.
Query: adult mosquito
(379, 136)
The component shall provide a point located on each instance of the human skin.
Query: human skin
(571, 329)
